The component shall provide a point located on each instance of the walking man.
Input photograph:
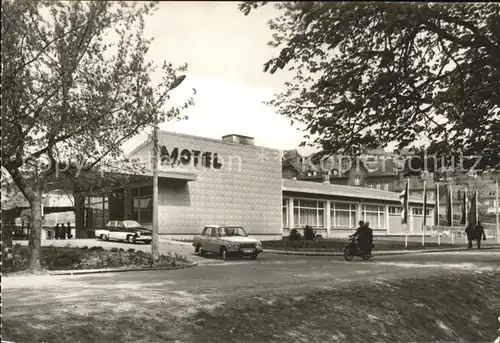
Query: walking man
(479, 233)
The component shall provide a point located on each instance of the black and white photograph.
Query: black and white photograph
(250, 171)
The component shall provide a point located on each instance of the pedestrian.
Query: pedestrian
(68, 231)
(479, 233)
(58, 231)
(63, 231)
(470, 232)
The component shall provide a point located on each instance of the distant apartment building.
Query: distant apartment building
(375, 169)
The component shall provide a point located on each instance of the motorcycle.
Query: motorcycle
(352, 249)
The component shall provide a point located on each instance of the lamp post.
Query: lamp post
(154, 239)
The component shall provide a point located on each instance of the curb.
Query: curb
(101, 271)
(118, 270)
(381, 253)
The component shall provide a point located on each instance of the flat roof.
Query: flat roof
(308, 187)
(207, 139)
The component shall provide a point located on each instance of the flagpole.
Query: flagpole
(466, 197)
(436, 209)
(451, 215)
(407, 208)
(423, 214)
(477, 208)
(498, 218)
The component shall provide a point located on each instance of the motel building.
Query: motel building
(231, 181)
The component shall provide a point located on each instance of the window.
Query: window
(142, 204)
(417, 211)
(343, 215)
(427, 212)
(375, 215)
(378, 186)
(96, 211)
(214, 232)
(386, 186)
(357, 181)
(395, 210)
(308, 212)
(285, 213)
(207, 231)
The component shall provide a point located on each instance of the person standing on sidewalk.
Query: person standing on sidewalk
(479, 233)
(63, 231)
(68, 231)
(57, 231)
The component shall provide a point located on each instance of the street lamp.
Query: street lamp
(154, 240)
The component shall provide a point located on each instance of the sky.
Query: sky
(225, 52)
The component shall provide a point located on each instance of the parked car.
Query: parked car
(124, 230)
(226, 241)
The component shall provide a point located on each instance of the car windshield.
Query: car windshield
(131, 223)
(232, 231)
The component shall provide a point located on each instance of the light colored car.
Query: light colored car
(124, 230)
(226, 240)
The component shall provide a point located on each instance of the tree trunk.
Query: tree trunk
(35, 234)
(32, 191)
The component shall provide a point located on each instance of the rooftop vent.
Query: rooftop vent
(239, 139)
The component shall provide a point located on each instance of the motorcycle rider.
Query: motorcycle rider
(365, 236)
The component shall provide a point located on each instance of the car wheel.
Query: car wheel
(200, 250)
(104, 237)
(131, 239)
(223, 253)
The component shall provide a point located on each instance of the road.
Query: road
(271, 273)
(44, 301)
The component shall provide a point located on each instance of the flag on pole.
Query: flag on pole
(425, 206)
(436, 210)
(403, 197)
(463, 219)
(449, 206)
(473, 209)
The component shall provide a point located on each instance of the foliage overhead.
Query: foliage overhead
(372, 73)
(76, 85)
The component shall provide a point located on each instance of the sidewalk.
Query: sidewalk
(378, 253)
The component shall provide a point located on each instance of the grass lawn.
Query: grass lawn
(66, 258)
(337, 245)
(454, 307)
(450, 308)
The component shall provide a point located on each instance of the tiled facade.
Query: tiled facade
(245, 191)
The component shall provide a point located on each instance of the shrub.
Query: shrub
(309, 233)
(85, 248)
(97, 248)
(121, 249)
(294, 235)
(114, 250)
(131, 250)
